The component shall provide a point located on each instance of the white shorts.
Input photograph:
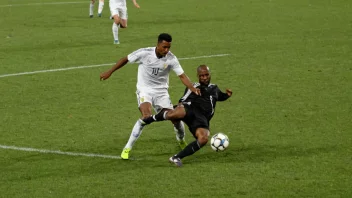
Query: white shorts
(120, 11)
(158, 99)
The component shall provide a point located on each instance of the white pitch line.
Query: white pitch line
(33, 4)
(100, 65)
(57, 152)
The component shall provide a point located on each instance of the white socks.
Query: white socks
(136, 132)
(91, 9)
(179, 129)
(100, 8)
(115, 31)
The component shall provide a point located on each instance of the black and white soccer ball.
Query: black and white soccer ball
(219, 142)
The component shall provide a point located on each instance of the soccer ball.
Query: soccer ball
(219, 142)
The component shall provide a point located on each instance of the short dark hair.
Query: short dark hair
(164, 37)
(200, 67)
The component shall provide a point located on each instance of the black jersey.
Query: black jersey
(206, 102)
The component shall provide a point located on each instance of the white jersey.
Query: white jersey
(118, 3)
(153, 72)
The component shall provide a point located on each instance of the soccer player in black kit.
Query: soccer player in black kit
(196, 111)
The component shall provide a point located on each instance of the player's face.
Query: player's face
(204, 76)
(163, 48)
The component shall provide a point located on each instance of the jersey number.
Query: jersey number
(155, 71)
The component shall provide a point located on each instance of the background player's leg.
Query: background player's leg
(91, 8)
(115, 26)
(123, 23)
(115, 33)
(100, 7)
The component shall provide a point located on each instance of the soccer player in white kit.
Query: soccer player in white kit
(155, 64)
(100, 8)
(118, 11)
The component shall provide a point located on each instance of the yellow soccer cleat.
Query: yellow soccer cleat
(182, 144)
(125, 152)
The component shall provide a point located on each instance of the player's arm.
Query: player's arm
(224, 96)
(185, 80)
(122, 62)
(183, 77)
(135, 4)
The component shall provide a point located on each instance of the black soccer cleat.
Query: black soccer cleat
(176, 161)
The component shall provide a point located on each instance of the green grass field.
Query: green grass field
(289, 121)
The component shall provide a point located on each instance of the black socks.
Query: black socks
(189, 150)
(157, 117)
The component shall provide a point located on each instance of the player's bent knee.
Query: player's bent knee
(203, 140)
(176, 114)
(202, 136)
(116, 19)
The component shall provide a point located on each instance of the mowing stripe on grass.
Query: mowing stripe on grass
(58, 152)
(100, 65)
(34, 4)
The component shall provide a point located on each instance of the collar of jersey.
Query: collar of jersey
(157, 56)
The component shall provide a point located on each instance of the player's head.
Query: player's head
(203, 74)
(164, 44)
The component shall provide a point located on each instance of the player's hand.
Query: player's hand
(105, 75)
(229, 92)
(136, 5)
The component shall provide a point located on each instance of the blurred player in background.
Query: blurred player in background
(118, 11)
(100, 8)
(155, 64)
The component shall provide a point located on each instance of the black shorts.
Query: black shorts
(194, 119)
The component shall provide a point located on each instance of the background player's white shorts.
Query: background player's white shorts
(158, 99)
(116, 10)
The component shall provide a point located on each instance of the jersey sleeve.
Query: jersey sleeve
(176, 67)
(221, 95)
(135, 57)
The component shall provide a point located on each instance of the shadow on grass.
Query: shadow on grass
(260, 153)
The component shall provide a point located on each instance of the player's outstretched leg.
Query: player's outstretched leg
(91, 8)
(100, 7)
(158, 117)
(190, 149)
